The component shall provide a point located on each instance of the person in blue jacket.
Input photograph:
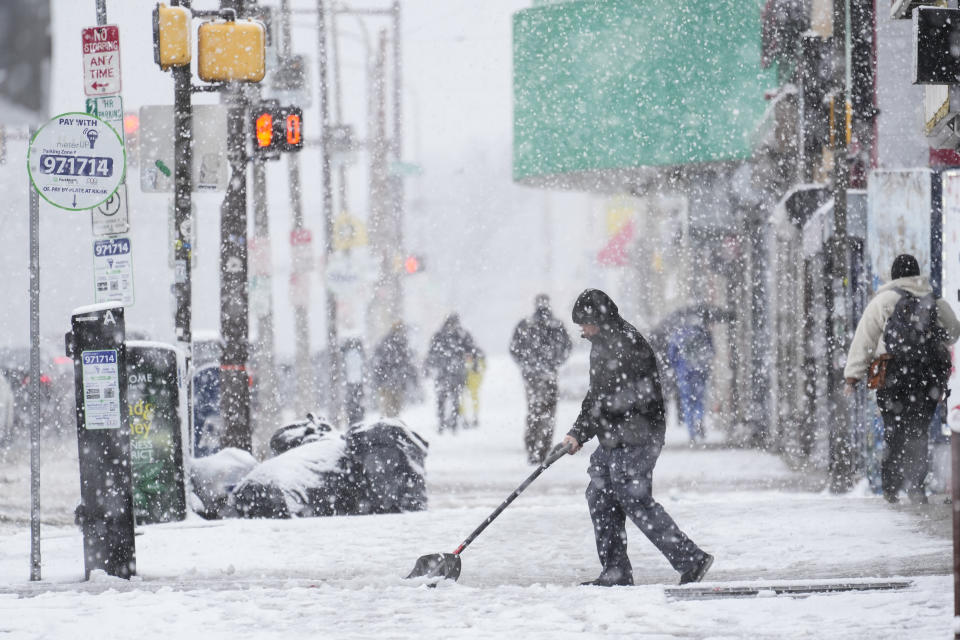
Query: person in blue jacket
(690, 354)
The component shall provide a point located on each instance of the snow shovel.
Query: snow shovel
(447, 565)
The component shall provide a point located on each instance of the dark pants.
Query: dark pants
(449, 391)
(621, 486)
(541, 417)
(906, 427)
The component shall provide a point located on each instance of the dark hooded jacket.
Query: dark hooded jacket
(448, 352)
(624, 404)
(540, 344)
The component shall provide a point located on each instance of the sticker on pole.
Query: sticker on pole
(76, 161)
(113, 270)
(101, 389)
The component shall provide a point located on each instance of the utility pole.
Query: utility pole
(261, 290)
(335, 378)
(383, 233)
(841, 465)
(397, 149)
(234, 386)
(386, 179)
(182, 198)
(300, 246)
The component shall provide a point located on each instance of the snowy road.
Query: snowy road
(343, 577)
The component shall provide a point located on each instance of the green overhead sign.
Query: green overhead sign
(619, 84)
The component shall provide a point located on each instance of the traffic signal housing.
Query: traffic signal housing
(171, 36)
(276, 129)
(290, 124)
(231, 50)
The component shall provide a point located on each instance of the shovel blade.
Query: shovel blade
(437, 565)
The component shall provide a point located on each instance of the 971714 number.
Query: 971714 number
(76, 166)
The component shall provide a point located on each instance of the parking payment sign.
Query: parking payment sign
(101, 60)
(113, 270)
(76, 161)
(101, 389)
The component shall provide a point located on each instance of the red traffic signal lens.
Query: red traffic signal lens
(131, 123)
(411, 264)
(264, 130)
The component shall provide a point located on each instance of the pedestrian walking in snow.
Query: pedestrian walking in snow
(690, 354)
(901, 341)
(393, 371)
(446, 362)
(623, 408)
(540, 344)
(470, 401)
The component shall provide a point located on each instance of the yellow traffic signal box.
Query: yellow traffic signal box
(231, 51)
(171, 36)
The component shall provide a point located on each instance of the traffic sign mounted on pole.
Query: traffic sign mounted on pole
(101, 60)
(76, 161)
(109, 109)
(112, 217)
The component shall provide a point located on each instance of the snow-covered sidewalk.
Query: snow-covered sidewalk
(342, 577)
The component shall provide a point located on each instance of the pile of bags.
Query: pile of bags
(316, 471)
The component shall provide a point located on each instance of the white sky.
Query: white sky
(490, 245)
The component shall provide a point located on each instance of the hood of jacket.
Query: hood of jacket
(917, 285)
(595, 307)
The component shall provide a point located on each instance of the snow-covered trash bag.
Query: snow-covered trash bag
(297, 433)
(388, 463)
(213, 477)
(308, 480)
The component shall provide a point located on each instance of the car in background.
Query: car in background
(57, 404)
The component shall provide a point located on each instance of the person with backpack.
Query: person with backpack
(901, 342)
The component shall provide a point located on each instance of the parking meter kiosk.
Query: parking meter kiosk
(96, 344)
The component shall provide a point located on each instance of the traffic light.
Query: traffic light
(290, 125)
(230, 51)
(171, 36)
(276, 129)
(413, 264)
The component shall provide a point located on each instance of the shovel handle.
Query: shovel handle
(555, 454)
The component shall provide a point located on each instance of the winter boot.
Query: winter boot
(696, 573)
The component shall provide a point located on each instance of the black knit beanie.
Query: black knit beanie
(904, 265)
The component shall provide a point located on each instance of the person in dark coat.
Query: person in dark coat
(446, 362)
(394, 372)
(623, 408)
(540, 344)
